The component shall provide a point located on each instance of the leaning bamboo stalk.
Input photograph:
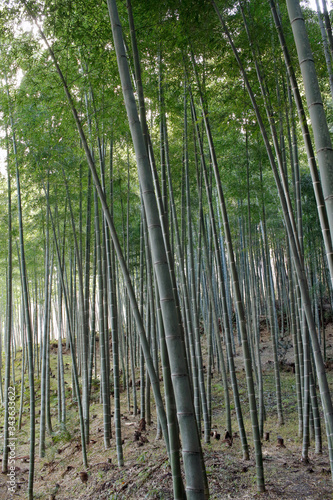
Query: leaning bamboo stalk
(317, 186)
(192, 453)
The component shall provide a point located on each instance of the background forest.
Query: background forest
(166, 218)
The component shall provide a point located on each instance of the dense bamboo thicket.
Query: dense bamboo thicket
(166, 186)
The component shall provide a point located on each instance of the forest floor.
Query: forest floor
(146, 473)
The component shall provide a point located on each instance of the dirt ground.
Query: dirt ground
(146, 473)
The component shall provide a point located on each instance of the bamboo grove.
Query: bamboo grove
(168, 183)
